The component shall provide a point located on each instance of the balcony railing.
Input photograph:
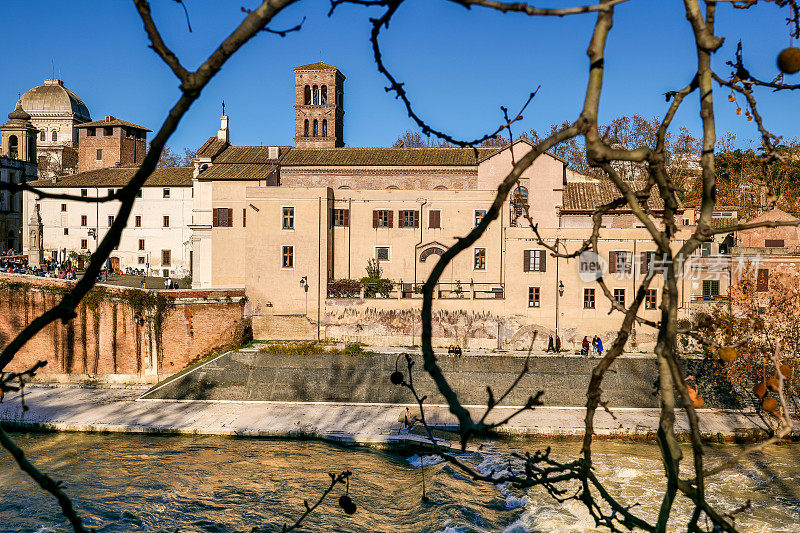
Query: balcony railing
(344, 289)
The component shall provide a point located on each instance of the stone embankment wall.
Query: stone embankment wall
(119, 334)
(256, 376)
(397, 322)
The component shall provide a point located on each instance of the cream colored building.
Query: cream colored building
(157, 235)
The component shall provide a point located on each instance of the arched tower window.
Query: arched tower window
(308, 95)
(55, 136)
(316, 128)
(13, 146)
(315, 95)
(305, 128)
(324, 127)
(324, 98)
(41, 135)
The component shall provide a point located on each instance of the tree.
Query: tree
(624, 151)
(169, 158)
(413, 139)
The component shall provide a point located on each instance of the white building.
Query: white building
(157, 236)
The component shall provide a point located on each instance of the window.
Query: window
(141, 244)
(66, 231)
(305, 128)
(324, 97)
(222, 217)
(774, 243)
(316, 128)
(42, 136)
(533, 296)
(288, 257)
(382, 218)
(480, 259)
(166, 258)
(288, 218)
(110, 220)
(108, 132)
(762, 280)
(84, 244)
(244, 217)
(479, 214)
(315, 95)
(535, 261)
(307, 95)
(137, 221)
(84, 192)
(408, 218)
(140, 260)
(685, 221)
(619, 261)
(650, 299)
(619, 296)
(166, 221)
(588, 298)
(90, 132)
(341, 217)
(382, 253)
(165, 194)
(705, 249)
(63, 208)
(84, 220)
(55, 136)
(99, 155)
(324, 127)
(434, 219)
(710, 287)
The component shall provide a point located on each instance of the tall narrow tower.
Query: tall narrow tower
(319, 106)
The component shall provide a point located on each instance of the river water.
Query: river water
(215, 484)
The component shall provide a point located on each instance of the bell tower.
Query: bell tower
(319, 106)
(19, 136)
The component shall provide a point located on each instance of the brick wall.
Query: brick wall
(108, 337)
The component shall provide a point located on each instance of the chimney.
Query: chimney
(223, 134)
(274, 152)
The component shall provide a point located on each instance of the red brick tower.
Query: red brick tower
(110, 143)
(319, 108)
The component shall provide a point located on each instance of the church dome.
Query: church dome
(52, 98)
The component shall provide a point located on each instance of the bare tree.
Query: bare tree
(603, 153)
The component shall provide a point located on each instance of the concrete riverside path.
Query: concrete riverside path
(71, 408)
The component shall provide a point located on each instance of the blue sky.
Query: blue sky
(460, 66)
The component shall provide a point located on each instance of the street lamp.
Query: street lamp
(304, 284)
(561, 288)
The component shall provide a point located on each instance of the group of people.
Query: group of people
(593, 347)
(169, 283)
(553, 347)
(49, 269)
(454, 350)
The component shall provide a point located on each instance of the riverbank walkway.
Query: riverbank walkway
(71, 408)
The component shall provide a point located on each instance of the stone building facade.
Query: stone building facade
(17, 166)
(55, 112)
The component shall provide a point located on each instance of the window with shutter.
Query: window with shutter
(434, 219)
(382, 218)
(416, 219)
(612, 262)
(375, 218)
(215, 217)
(526, 260)
(341, 217)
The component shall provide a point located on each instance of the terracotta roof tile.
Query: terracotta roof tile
(244, 171)
(588, 196)
(211, 148)
(319, 65)
(119, 177)
(385, 156)
(113, 122)
(248, 154)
